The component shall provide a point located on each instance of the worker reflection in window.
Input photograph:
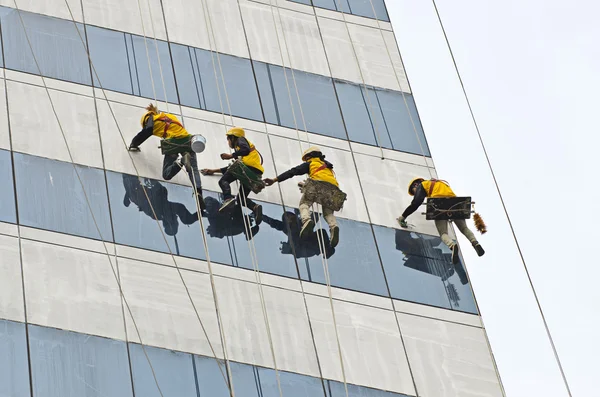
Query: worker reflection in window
(423, 253)
(305, 247)
(227, 224)
(166, 211)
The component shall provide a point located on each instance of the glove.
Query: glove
(402, 222)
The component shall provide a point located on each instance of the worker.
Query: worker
(318, 169)
(419, 188)
(168, 127)
(248, 170)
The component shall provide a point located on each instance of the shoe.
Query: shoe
(227, 203)
(257, 211)
(335, 236)
(478, 249)
(201, 199)
(307, 227)
(455, 257)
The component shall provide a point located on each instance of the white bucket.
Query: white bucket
(198, 143)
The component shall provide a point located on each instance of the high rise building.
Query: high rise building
(113, 285)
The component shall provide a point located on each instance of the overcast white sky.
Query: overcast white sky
(532, 71)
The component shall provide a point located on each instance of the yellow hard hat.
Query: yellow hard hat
(410, 185)
(312, 149)
(236, 132)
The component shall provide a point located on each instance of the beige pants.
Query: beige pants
(305, 206)
(461, 224)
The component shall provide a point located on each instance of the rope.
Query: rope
(512, 229)
(251, 245)
(147, 53)
(155, 217)
(72, 161)
(320, 238)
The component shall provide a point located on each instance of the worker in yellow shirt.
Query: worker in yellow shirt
(248, 171)
(168, 127)
(318, 169)
(420, 189)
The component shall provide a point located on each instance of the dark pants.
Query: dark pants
(242, 196)
(170, 169)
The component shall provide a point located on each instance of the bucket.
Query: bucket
(198, 143)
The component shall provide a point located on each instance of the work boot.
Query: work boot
(228, 201)
(335, 236)
(201, 199)
(257, 211)
(307, 227)
(455, 257)
(478, 248)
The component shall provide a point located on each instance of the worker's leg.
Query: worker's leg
(334, 230)
(442, 227)
(170, 166)
(225, 184)
(192, 171)
(464, 229)
(308, 224)
(245, 201)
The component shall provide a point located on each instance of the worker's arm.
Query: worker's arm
(244, 146)
(302, 169)
(143, 134)
(419, 198)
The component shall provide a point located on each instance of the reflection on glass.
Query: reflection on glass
(110, 56)
(68, 364)
(337, 389)
(7, 192)
(254, 381)
(174, 372)
(142, 51)
(14, 370)
(56, 44)
(354, 266)
(211, 381)
(50, 197)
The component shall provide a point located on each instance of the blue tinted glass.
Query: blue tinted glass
(174, 372)
(380, 124)
(7, 193)
(403, 134)
(292, 385)
(343, 6)
(57, 46)
(110, 58)
(141, 61)
(263, 80)
(410, 276)
(212, 381)
(337, 389)
(307, 2)
(354, 109)
(14, 370)
(364, 8)
(329, 4)
(68, 364)
(270, 238)
(188, 82)
(50, 197)
(459, 289)
(133, 219)
(353, 264)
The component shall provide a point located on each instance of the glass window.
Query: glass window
(292, 385)
(189, 85)
(111, 59)
(307, 2)
(337, 389)
(174, 372)
(143, 71)
(56, 44)
(265, 88)
(410, 275)
(399, 123)
(50, 197)
(14, 369)
(7, 192)
(239, 87)
(320, 108)
(133, 218)
(68, 364)
(459, 288)
(364, 8)
(211, 381)
(353, 264)
(328, 4)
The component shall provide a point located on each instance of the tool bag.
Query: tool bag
(448, 208)
(176, 145)
(324, 193)
(246, 176)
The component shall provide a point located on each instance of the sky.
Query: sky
(532, 73)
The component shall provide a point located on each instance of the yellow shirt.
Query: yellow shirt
(167, 126)
(320, 172)
(440, 189)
